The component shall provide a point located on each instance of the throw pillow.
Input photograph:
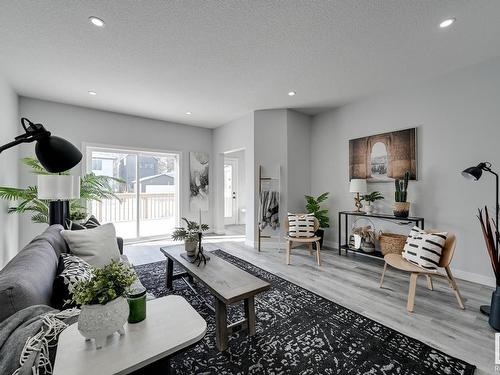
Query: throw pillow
(96, 246)
(91, 222)
(300, 225)
(70, 270)
(424, 249)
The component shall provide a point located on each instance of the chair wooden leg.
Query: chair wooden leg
(318, 256)
(288, 251)
(430, 286)
(310, 247)
(454, 286)
(411, 292)
(383, 274)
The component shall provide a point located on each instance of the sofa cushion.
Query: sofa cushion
(96, 246)
(71, 270)
(27, 279)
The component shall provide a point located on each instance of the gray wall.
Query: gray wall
(458, 120)
(236, 135)
(9, 128)
(79, 125)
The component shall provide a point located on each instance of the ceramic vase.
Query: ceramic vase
(401, 209)
(494, 318)
(99, 321)
(190, 248)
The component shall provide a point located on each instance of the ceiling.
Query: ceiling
(223, 59)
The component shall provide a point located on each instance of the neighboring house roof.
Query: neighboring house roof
(144, 179)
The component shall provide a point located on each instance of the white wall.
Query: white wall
(83, 125)
(242, 195)
(9, 128)
(236, 135)
(458, 120)
(298, 160)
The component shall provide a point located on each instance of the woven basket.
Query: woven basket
(392, 243)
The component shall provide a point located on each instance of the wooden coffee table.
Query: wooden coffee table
(227, 283)
(171, 325)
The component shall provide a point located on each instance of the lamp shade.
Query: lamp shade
(473, 173)
(58, 187)
(358, 185)
(57, 154)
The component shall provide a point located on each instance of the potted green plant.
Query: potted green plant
(189, 235)
(92, 188)
(313, 206)
(104, 309)
(371, 198)
(401, 206)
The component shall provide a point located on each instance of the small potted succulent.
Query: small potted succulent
(189, 235)
(313, 206)
(401, 206)
(371, 198)
(104, 308)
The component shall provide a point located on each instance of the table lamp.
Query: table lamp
(58, 190)
(358, 186)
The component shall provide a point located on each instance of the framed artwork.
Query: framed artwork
(384, 157)
(198, 181)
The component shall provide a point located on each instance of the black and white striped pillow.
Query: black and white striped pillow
(300, 225)
(424, 249)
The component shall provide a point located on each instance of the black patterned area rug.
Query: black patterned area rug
(298, 332)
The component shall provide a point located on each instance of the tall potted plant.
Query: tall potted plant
(371, 198)
(401, 206)
(92, 187)
(313, 206)
(104, 309)
(189, 235)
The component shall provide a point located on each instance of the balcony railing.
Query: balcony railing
(152, 206)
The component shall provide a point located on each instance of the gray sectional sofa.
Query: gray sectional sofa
(28, 278)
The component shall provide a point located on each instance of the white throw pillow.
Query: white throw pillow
(300, 225)
(424, 249)
(96, 246)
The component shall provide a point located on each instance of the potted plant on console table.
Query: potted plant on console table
(313, 206)
(104, 308)
(401, 206)
(189, 235)
(371, 198)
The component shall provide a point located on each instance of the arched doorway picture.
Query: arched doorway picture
(383, 157)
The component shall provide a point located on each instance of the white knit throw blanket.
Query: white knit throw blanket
(36, 348)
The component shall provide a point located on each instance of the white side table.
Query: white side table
(171, 325)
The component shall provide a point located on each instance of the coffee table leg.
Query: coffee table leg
(170, 273)
(250, 315)
(220, 325)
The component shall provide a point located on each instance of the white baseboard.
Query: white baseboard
(459, 274)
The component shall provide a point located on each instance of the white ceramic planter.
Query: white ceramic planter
(369, 209)
(99, 321)
(190, 248)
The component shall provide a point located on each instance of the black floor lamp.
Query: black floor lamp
(475, 173)
(56, 155)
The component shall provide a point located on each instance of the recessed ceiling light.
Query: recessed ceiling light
(96, 21)
(291, 93)
(93, 93)
(188, 113)
(447, 22)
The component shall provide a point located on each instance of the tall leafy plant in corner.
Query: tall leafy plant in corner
(92, 187)
(313, 206)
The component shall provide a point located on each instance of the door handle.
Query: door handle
(234, 195)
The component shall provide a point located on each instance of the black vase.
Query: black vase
(319, 233)
(495, 310)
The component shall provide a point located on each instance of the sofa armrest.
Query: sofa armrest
(119, 241)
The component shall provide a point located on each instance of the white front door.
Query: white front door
(230, 191)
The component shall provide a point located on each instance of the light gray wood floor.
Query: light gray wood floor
(353, 282)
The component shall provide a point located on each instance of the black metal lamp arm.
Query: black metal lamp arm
(34, 132)
(486, 166)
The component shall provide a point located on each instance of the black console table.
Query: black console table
(419, 221)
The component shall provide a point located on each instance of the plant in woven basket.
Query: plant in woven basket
(401, 193)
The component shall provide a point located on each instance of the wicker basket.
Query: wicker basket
(391, 243)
